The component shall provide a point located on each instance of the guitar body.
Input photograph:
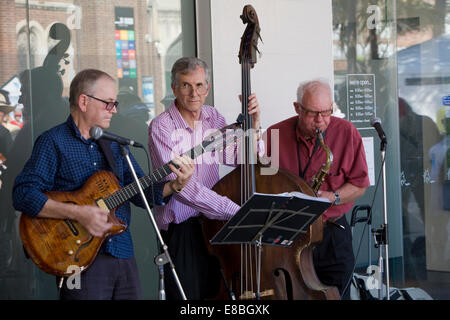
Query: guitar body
(57, 244)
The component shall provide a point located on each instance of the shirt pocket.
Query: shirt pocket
(335, 177)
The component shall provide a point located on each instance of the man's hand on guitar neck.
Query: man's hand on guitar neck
(184, 173)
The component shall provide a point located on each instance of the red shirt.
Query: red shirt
(349, 159)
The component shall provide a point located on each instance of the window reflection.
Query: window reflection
(423, 46)
(46, 44)
(418, 42)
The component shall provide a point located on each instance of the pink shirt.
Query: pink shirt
(169, 135)
(349, 159)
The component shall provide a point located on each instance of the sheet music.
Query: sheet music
(296, 194)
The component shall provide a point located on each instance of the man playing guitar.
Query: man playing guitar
(63, 158)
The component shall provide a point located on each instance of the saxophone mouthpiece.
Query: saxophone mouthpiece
(319, 133)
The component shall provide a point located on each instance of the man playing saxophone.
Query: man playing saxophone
(300, 152)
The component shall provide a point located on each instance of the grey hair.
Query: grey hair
(83, 82)
(313, 85)
(186, 65)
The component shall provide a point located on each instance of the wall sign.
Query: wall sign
(125, 48)
(361, 99)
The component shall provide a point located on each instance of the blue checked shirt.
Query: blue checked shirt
(63, 160)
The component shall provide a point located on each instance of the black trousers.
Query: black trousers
(108, 278)
(199, 272)
(333, 257)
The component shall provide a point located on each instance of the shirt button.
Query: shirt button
(110, 240)
(95, 163)
(92, 146)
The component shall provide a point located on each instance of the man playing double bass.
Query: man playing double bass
(178, 129)
(346, 181)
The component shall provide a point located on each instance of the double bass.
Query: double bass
(284, 273)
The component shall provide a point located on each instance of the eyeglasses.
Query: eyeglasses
(109, 104)
(186, 88)
(312, 113)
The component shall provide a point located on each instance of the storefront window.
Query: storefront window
(403, 45)
(45, 44)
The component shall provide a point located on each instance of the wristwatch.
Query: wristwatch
(337, 199)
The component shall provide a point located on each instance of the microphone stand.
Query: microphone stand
(164, 257)
(381, 235)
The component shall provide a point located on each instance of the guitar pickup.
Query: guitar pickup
(101, 204)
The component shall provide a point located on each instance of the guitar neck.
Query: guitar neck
(121, 196)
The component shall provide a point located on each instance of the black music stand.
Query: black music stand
(274, 219)
(271, 219)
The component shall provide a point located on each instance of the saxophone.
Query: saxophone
(317, 180)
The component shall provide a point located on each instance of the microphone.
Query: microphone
(98, 133)
(376, 123)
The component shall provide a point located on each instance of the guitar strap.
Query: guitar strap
(105, 145)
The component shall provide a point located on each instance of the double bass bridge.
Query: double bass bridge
(250, 295)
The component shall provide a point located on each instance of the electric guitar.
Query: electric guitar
(56, 245)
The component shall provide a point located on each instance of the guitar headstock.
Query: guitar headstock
(249, 40)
